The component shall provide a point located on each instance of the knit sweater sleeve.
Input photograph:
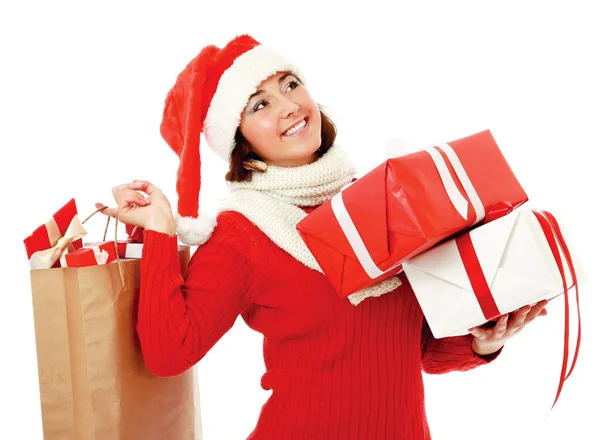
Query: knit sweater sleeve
(181, 316)
(439, 356)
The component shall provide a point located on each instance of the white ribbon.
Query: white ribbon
(465, 181)
(356, 242)
(133, 250)
(46, 258)
(458, 200)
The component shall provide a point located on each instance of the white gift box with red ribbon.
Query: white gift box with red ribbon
(489, 271)
(494, 269)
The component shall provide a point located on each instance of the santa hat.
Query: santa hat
(209, 97)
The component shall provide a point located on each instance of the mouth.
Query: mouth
(297, 129)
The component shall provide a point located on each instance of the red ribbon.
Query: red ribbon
(476, 277)
(553, 234)
(485, 298)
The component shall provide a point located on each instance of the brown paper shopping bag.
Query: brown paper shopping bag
(93, 381)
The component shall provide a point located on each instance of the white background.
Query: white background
(81, 96)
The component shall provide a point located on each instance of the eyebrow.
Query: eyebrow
(280, 80)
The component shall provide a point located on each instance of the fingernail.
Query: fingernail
(147, 201)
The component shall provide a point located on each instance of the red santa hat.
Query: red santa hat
(209, 97)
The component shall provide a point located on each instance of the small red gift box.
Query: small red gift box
(135, 234)
(60, 233)
(407, 205)
(85, 256)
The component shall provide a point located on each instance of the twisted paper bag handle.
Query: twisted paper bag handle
(119, 262)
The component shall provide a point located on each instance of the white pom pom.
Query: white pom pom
(195, 231)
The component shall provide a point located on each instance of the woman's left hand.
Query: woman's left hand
(489, 339)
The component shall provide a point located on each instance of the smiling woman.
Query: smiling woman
(282, 122)
(336, 370)
(280, 101)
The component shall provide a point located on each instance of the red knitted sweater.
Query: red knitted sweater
(336, 371)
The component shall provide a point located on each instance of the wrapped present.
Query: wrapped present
(63, 232)
(516, 260)
(407, 205)
(135, 234)
(489, 271)
(133, 250)
(85, 256)
(125, 249)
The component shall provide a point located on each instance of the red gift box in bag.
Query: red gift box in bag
(85, 256)
(61, 233)
(407, 205)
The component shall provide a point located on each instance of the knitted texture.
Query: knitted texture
(273, 201)
(336, 371)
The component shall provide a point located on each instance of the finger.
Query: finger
(131, 197)
(518, 318)
(536, 311)
(131, 185)
(144, 185)
(111, 212)
(541, 305)
(544, 312)
(500, 328)
(480, 333)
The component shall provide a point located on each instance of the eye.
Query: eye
(292, 85)
(259, 105)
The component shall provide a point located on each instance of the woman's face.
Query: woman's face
(282, 123)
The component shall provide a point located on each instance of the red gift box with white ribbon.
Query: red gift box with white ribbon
(494, 269)
(407, 205)
(85, 256)
(61, 233)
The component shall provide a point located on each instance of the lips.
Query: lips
(294, 127)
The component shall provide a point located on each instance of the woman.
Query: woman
(337, 370)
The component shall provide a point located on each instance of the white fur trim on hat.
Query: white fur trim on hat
(195, 231)
(235, 87)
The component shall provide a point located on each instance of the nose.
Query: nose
(288, 107)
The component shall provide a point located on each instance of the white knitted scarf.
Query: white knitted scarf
(272, 201)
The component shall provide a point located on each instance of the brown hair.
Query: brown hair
(242, 152)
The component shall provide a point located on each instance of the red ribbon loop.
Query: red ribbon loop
(555, 239)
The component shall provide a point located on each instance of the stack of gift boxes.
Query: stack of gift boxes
(450, 216)
(454, 218)
(59, 243)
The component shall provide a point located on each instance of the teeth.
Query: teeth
(295, 129)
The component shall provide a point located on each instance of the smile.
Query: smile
(300, 127)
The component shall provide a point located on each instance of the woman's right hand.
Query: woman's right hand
(151, 212)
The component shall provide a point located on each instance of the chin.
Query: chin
(308, 151)
(299, 157)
